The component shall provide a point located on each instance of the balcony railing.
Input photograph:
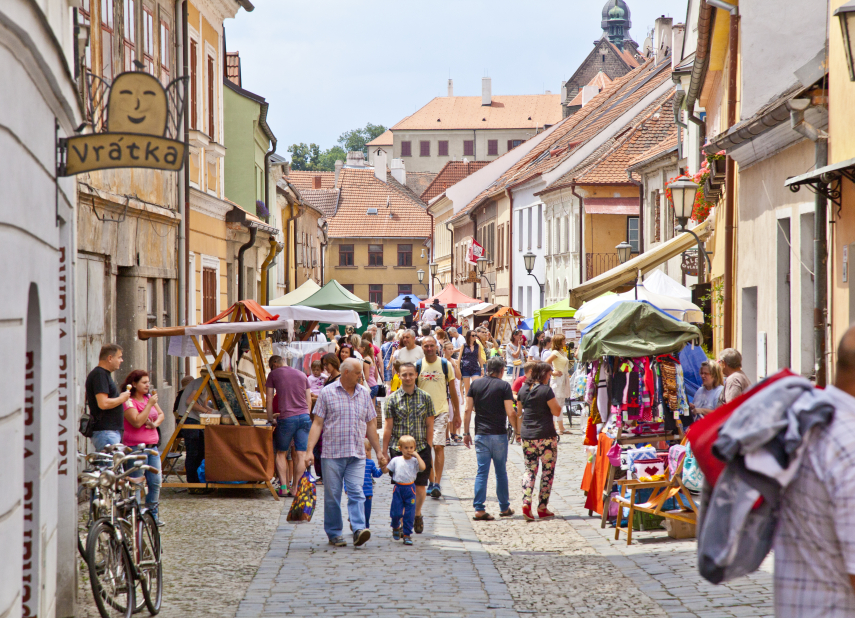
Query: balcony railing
(598, 263)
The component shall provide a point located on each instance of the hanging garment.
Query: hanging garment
(595, 416)
(681, 391)
(591, 386)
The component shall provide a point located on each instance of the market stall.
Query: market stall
(635, 388)
(297, 296)
(333, 296)
(503, 323)
(240, 453)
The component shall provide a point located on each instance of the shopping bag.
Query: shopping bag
(303, 505)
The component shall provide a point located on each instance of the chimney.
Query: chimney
(355, 158)
(450, 87)
(399, 172)
(662, 35)
(338, 165)
(380, 164)
(486, 91)
(563, 93)
(678, 32)
(316, 182)
(588, 93)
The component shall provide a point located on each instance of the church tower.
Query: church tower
(616, 22)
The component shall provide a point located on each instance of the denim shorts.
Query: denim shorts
(294, 428)
(470, 372)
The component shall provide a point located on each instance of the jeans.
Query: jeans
(491, 449)
(153, 480)
(368, 501)
(194, 443)
(101, 439)
(336, 471)
(403, 509)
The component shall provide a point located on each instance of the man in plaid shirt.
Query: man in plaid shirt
(345, 413)
(410, 411)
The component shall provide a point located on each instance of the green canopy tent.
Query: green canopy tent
(561, 309)
(297, 296)
(333, 296)
(636, 328)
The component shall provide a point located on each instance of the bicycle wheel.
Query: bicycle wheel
(149, 564)
(128, 534)
(109, 572)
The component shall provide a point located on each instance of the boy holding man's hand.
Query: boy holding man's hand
(403, 470)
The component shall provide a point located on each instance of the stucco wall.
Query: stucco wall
(434, 163)
(241, 115)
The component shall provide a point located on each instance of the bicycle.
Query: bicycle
(99, 504)
(123, 550)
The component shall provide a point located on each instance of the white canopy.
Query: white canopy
(676, 307)
(473, 309)
(297, 296)
(658, 282)
(343, 317)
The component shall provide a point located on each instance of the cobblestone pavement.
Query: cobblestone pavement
(509, 567)
(212, 546)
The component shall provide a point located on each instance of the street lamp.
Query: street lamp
(434, 267)
(624, 250)
(482, 264)
(421, 275)
(528, 262)
(683, 194)
(846, 15)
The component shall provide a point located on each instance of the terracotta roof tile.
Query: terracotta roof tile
(419, 181)
(361, 190)
(505, 112)
(233, 68)
(654, 152)
(305, 180)
(605, 108)
(324, 200)
(451, 174)
(384, 139)
(600, 80)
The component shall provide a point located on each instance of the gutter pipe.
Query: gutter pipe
(275, 247)
(451, 231)
(640, 186)
(252, 234)
(184, 192)
(581, 232)
(510, 252)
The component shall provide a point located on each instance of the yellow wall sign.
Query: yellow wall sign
(135, 136)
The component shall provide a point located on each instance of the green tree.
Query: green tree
(329, 157)
(305, 157)
(358, 138)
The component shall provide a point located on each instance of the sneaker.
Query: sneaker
(408, 540)
(338, 541)
(419, 524)
(396, 533)
(361, 536)
(435, 491)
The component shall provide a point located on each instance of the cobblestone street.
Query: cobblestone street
(233, 554)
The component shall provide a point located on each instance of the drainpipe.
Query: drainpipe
(432, 253)
(182, 231)
(510, 252)
(262, 121)
(820, 238)
(184, 293)
(323, 251)
(451, 231)
(679, 97)
(581, 238)
(275, 247)
(640, 186)
(252, 234)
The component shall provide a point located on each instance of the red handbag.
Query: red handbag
(704, 432)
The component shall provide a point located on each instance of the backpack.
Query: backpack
(444, 373)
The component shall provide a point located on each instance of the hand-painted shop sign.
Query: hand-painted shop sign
(141, 122)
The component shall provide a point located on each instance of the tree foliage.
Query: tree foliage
(311, 158)
(358, 138)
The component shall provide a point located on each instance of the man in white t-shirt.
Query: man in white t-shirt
(431, 315)
(410, 352)
(456, 338)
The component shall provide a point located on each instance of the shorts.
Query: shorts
(439, 424)
(294, 428)
(421, 477)
(470, 372)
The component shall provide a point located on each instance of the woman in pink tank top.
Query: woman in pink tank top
(142, 418)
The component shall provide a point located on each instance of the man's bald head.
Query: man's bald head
(351, 369)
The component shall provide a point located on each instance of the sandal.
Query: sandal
(545, 513)
(508, 513)
(484, 517)
(527, 513)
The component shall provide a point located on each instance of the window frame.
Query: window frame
(406, 148)
(85, 11)
(442, 148)
(373, 259)
(165, 51)
(469, 148)
(194, 83)
(492, 148)
(129, 34)
(405, 288)
(375, 295)
(343, 252)
(424, 148)
(148, 40)
(629, 229)
(108, 31)
(405, 255)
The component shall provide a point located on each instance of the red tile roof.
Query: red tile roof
(655, 152)
(399, 213)
(604, 109)
(505, 112)
(451, 174)
(233, 68)
(419, 181)
(324, 200)
(305, 180)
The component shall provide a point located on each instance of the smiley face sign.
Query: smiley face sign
(137, 105)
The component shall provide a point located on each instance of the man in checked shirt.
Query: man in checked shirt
(410, 411)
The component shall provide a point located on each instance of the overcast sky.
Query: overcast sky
(329, 66)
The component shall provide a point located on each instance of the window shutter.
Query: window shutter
(424, 149)
(194, 85)
(510, 145)
(468, 148)
(539, 225)
(406, 149)
(211, 79)
(443, 148)
(492, 147)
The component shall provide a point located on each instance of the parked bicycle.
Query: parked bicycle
(123, 551)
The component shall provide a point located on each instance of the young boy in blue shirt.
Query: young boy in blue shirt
(371, 472)
(403, 470)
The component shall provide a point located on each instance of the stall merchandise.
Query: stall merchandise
(243, 318)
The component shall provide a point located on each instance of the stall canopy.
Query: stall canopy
(489, 310)
(561, 309)
(297, 296)
(634, 329)
(334, 296)
(385, 315)
(452, 295)
(660, 283)
(645, 262)
(506, 312)
(473, 309)
(675, 307)
(398, 301)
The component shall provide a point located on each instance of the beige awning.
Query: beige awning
(623, 274)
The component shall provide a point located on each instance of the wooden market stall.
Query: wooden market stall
(503, 323)
(238, 452)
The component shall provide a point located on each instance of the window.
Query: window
(657, 236)
(520, 306)
(209, 302)
(375, 293)
(405, 255)
(567, 231)
(194, 84)
(107, 39)
(85, 15)
(164, 52)
(375, 255)
(443, 148)
(348, 287)
(167, 320)
(148, 41)
(212, 79)
(405, 288)
(424, 149)
(508, 251)
(549, 237)
(520, 231)
(632, 233)
(492, 147)
(500, 262)
(130, 34)
(539, 225)
(469, 148)
(513, 143)
(406, 150)
(530, 211)
(345, 255)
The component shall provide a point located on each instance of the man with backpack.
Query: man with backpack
(436, 378)
(106, 404)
